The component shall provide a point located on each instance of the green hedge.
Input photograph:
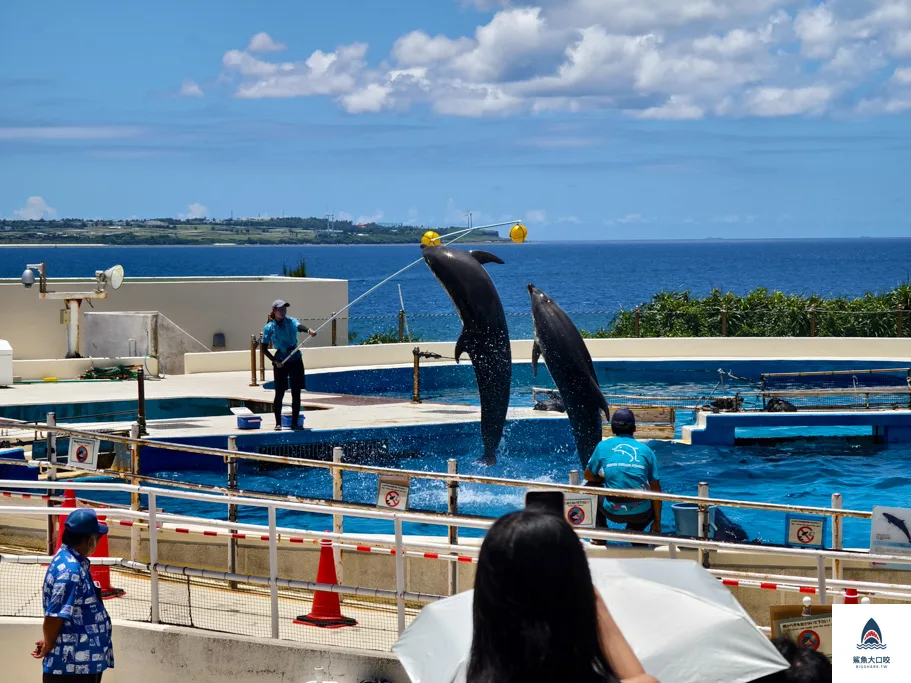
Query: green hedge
(764, 314)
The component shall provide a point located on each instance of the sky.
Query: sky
(586, 119)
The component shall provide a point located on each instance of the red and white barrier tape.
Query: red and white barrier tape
(24, 496)
(300, 539)
(745, 583)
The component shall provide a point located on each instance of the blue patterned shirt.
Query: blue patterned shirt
(84, 643)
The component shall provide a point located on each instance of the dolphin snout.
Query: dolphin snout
(531, 288)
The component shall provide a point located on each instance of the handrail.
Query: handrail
(443, 476)
(420, 517)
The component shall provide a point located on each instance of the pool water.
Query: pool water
(803, 472)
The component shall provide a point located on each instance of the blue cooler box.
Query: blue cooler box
(249, 421)
(286, 419)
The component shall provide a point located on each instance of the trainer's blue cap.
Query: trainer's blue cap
(278, 303)
(623, 416)
(85, 521)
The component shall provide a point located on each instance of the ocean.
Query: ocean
(591, 280)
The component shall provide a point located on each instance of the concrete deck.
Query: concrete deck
(322, 411)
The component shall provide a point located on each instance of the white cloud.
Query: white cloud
(677, 107)
(35, 209)
(262, 42)
(731, 219)
(195, 210)
(344, 216)
(375, 218)
(627, 219)
(569, 219)
(190, 89)
(653, 59)
(788, 101)
(419, 49)
(536, 216)
(902, 76)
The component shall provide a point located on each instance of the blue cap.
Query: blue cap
(84, 521)
(623, 416)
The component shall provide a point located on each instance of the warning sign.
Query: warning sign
(580, 511)
(393, 493)
(806, 531)
(83, 454)
(812, 632)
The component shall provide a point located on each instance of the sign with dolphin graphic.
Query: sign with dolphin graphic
(890, 533)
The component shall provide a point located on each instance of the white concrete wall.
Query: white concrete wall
(147, 653)
(238, 307)
(720, 348)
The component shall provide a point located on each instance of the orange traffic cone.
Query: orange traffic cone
(850, 596)
(326, 611)
(101, 574)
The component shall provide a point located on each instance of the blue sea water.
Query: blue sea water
(581, 277)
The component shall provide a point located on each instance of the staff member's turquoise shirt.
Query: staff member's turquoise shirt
(282, 336)
(624, 463)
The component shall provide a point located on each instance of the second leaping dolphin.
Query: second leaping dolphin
(570, 364)
(484, 336)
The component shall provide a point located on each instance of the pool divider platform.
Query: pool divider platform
(720, 429)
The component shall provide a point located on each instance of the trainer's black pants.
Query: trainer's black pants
(293, 372)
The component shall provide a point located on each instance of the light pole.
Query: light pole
(72, 300)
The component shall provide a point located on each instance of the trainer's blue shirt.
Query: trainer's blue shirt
(84, 643)
(282, 336)
(625, 464)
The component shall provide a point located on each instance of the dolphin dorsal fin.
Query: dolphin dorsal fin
(483, 257)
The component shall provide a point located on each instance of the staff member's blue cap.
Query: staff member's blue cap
(86, 522)
(623, 419)
(278, 303)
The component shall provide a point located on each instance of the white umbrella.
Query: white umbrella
(682, 623)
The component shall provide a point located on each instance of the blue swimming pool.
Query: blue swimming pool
(803, 472)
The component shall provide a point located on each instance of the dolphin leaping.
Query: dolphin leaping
(484, 336)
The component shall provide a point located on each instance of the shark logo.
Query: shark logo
(627, 450)
(872, 637)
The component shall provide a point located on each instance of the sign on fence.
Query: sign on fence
(805, 531)
(580, 510)
(890, 534)
(393, 493)
(83, 454)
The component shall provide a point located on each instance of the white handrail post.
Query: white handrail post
(836, 536)
(821, 579)
(134, 496)
(452, 486)
(232, 510)
(51, 476)
(399, 573)
(672, 550)
(338, 493)
(153, 557)
(703, 531)
(273, 571)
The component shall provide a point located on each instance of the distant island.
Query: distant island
(172, 231)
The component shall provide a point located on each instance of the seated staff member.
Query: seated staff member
(622, 462)
(287, 362)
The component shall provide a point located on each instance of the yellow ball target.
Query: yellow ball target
(518, 233)
(430, 239)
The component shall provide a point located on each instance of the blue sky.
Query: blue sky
(588, 119)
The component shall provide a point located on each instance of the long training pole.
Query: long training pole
(458, 234)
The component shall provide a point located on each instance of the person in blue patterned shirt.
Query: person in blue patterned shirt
(77, 644)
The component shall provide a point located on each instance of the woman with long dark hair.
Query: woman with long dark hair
(287, 362)
(537, 616)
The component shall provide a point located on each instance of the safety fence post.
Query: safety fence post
(837, 536)
(135, 537)
(232, 510)
(703, 531)
(452, 485)
(399, 574)
(338, 520)
(253, 382)
(153, 558)
(51, 476)
(273, 571)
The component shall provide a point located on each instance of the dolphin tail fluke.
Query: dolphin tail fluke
(535, 355)
(485, 257)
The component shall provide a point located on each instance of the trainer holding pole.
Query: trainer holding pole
(287, 362)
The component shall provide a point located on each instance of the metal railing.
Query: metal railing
(156, 522)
